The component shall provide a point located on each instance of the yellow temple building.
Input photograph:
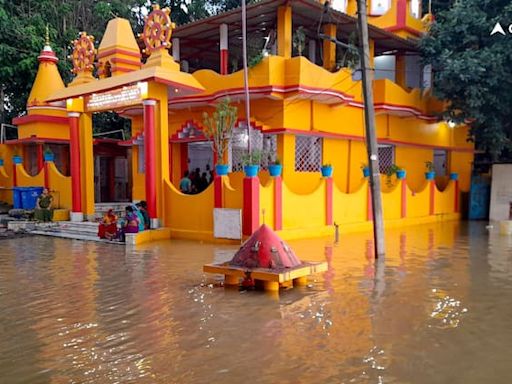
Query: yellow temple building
(306, 110)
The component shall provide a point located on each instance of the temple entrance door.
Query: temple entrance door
(111, 183)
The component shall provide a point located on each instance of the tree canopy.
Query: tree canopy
(472, 69)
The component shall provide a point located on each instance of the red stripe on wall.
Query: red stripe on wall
(217, 186)
(404, 199)
(432, 197)
(251, 205)
(369, 204)
(329, 202)
(278, 203)
(457, 193)
(224, 61)
(14, 176)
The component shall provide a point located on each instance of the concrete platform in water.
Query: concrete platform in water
(269, 279)
(265, 261)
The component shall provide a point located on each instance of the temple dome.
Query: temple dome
(48, 79)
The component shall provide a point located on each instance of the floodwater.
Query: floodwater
(438, 309)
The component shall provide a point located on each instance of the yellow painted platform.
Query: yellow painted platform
(148, 236)
(272, 279)
(60, 215)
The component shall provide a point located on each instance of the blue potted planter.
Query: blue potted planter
(275, 170)
(366, 172)
(326, 171)
(454, 176)
(430, 175)
(400, 175)
(251, 170)
(222, 169)
(17, 159)
(49, 157)
(1, 162)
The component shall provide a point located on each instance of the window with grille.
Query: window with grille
(386, 157)
(440, 162)
(308, 153)
(265, 143)
(141, 165)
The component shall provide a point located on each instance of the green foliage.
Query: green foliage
(472, 70)
(218, 127)
(393, 169)
(299, 40)
(252, 158)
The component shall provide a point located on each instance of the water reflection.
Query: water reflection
(436, 309)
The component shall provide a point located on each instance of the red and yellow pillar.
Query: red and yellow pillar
(284, 31)
(150, 159)
(224, 52)
(74, 149)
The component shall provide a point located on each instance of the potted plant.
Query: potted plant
(218, 128)
(454, 176)
(251, 162)
(275, 168)
(394, 170)
(430, 174)
(48, 155)
(365, 169)
(16, 158)
(326, 170)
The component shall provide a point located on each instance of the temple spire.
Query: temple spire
(47, 36)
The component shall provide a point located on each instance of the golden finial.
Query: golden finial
(47, 36)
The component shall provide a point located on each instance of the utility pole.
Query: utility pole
(246, 78)
(371, 138)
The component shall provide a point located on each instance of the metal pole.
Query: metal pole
(371, 138)
(246, 76)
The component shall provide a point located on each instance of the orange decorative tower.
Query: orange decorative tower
(44, 121)
(118, 52)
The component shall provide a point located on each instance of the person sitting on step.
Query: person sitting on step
(43, 210)
(108, 226)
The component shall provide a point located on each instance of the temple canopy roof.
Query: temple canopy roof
(199, 40)
(179, 83)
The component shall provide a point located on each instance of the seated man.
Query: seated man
(43, 206)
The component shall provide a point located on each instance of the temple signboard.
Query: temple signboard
(118, 98)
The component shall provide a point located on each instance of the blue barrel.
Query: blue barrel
(29, 197)
(16, 197)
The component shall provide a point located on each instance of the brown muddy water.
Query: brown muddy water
(438, 309)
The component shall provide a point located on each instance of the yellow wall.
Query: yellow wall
(295, 217)
(5, 185)
(189, 216)
(267, 203)
(25, 180)
(61, 185)
(45, 130)
(350, 207)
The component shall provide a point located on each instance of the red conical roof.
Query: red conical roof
(264, 249)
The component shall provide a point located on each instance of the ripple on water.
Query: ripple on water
(95, 313)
